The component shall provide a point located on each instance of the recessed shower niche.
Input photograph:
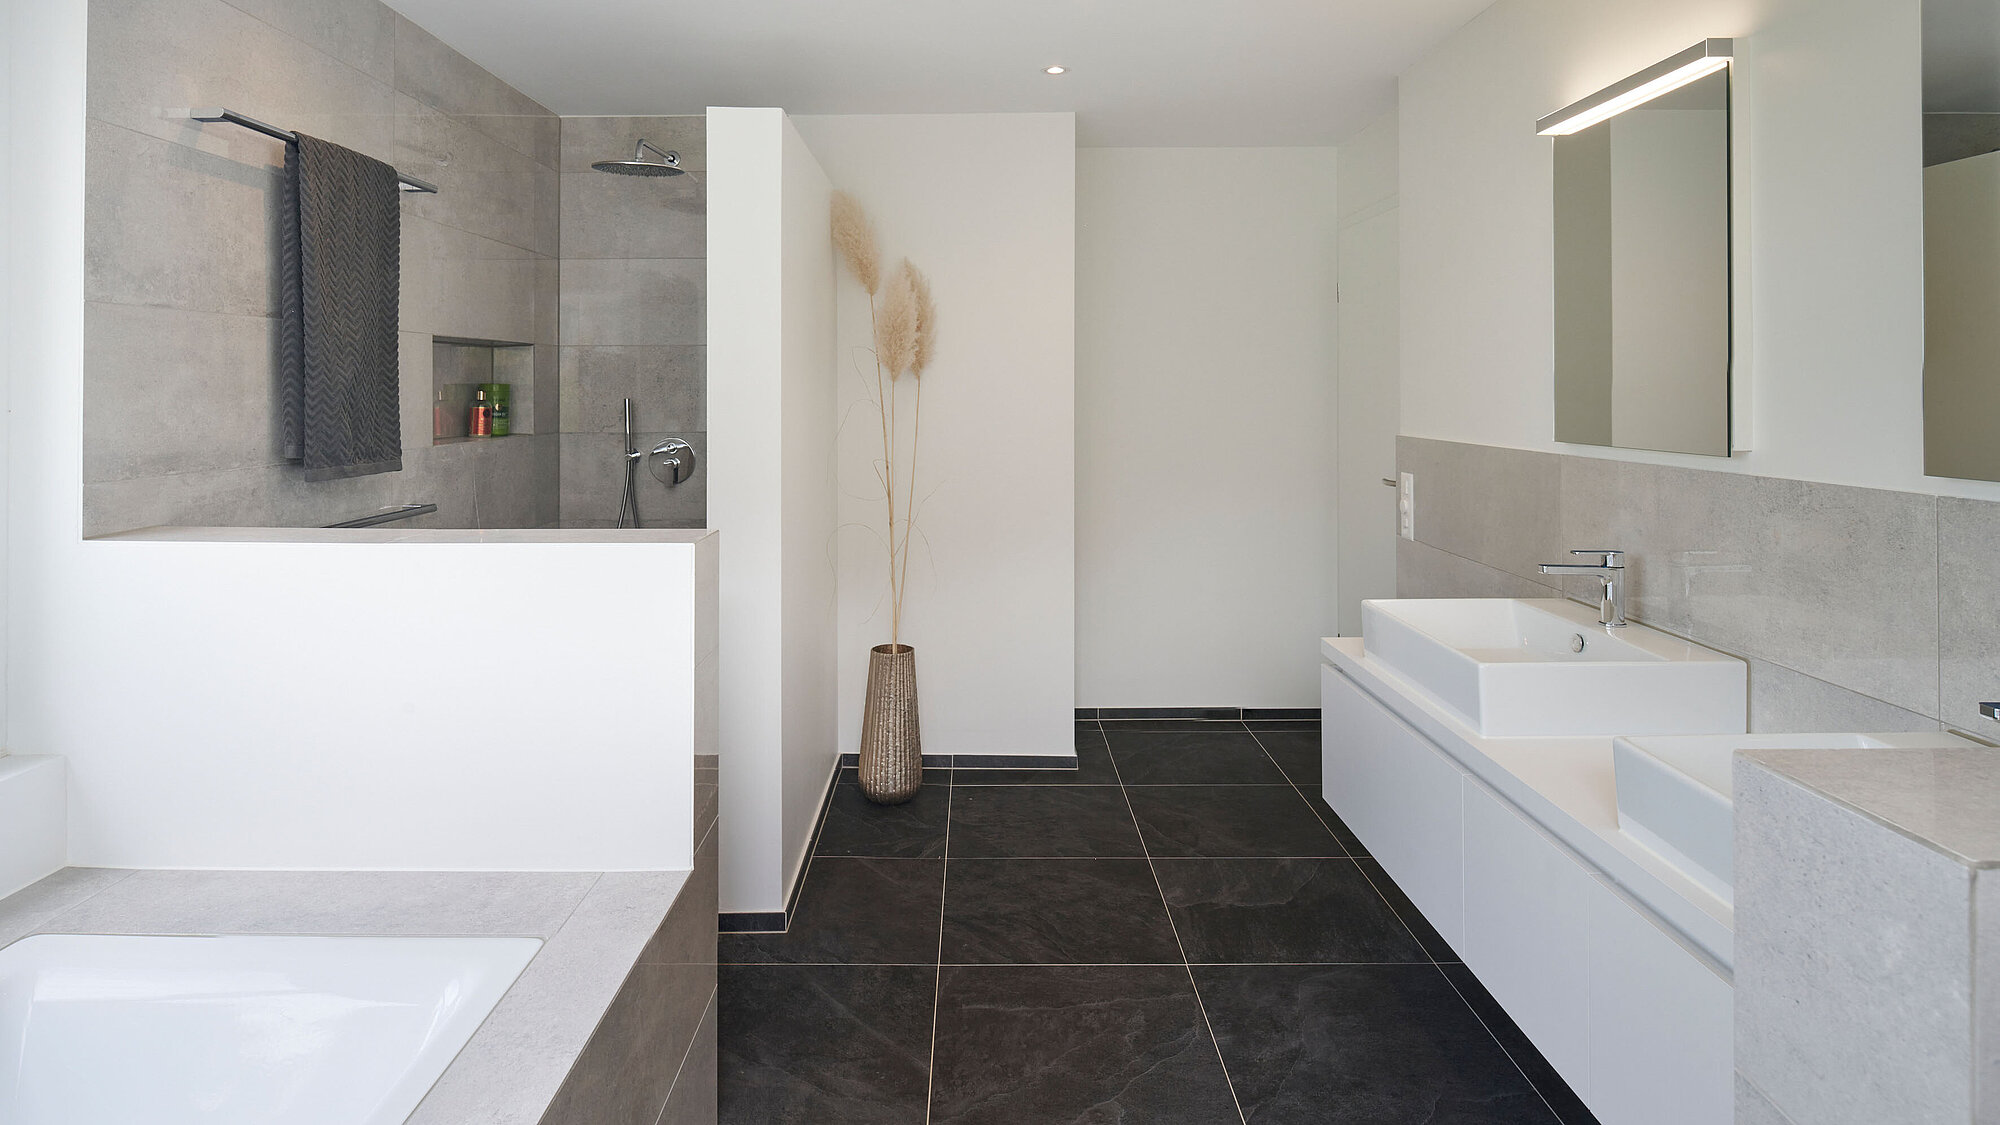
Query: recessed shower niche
(461, 369)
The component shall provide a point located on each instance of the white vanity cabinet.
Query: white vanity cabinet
(1632, 1017)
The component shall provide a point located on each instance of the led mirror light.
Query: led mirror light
(1698, 61)
(1055, 70)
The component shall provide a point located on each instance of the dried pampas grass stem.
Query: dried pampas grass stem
(854, 238)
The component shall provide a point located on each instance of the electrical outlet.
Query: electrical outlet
(1406, 505)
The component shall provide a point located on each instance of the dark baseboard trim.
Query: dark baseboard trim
(1222, 714)
(982, 761)
(778, 921)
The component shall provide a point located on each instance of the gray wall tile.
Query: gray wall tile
(693, 1101)
(593, 476)
(606, 216)
(1969, 596)
(1423, 571)
(1499, 506)
(667, 385)
(1753, 1108)
(634, 301)
(177, 227)
(151, 59)
(1783, 701)
(168, 391)
(440, 77)
(1853, 962)
(586, 140)
(484, 187)
(357, 32)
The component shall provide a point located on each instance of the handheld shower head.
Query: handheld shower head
(668, 164)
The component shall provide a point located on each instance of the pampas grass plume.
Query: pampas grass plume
(896, 325)
(926, 343)
(854, 238)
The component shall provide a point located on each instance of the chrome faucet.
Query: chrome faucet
(1611, 571)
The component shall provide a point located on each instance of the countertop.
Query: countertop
(390, 534)
(1945, 799)
(593, 926)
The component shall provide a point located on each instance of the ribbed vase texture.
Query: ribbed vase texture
(892, 752)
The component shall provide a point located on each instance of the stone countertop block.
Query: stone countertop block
(405, 535)
(1945, 799)
(593, 925)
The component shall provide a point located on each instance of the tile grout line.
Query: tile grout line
(937, 986)
(1186, 966)
(1439, 966)
(1282, 772)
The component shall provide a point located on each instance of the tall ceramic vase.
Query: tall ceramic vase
(892, 753)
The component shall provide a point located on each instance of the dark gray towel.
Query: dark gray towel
(339, 257)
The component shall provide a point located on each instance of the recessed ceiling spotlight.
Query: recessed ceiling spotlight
(1054, 69)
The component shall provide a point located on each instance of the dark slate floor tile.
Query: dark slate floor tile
(1093, 767)
(1056, 912)
(1274, 911)
(1229, 821)
(1213, 757)
(1385, 1044)
(1262, 725)
(1183, 725)
(855, 912)
(1046, 821)
(1426, 934)
(812, 1044)
(1567, 1106)
(857, 826)
(1334, 824)
(1123, 1044)
(1296, 752)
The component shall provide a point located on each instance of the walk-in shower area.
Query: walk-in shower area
(549, 293)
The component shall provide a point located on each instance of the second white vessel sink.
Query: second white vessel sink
(1520, 667)
(1676, 795)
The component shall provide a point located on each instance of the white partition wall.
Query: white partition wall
(771, 427)
(986, 205)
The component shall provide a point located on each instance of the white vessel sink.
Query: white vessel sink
(1513, 667)
(1676, 795)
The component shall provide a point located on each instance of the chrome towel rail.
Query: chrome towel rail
(388, 515)
(230, 116)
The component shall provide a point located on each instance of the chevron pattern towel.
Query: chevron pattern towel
(339, 260)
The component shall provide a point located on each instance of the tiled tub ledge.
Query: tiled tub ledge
(393, 534)
(558, 1046)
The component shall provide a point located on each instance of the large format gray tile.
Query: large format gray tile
(1842, 585)
(167, 391)
(1753, 1108)
(484, 187)
(31, 907)
(607, 216)
(668, 387)
(694, 1097)
(1784, 701)
(1664, 519)
(438, 76)
(279, 496)
(586, 140)
(1498, 506)
(357, 32)
(464, 286)
(1969, 632)
(1853, 957)
(515, 480)
(1423, 571)
(150, 60)
(634, 301)
(177, 227)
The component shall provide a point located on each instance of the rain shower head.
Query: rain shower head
(668, 164)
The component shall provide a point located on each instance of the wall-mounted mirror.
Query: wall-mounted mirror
(1642, 259)
(1962, 238)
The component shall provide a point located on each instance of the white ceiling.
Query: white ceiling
(1141, 72)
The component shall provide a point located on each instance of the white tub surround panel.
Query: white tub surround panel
(1614, 963)
(34, 819)
(384, 699)
(1868, 984)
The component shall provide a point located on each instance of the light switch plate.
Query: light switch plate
(1406, 505)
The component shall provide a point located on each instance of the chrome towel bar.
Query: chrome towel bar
(230, 116)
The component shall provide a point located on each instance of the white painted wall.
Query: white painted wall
(1205, 483)
(1367, 407)
(771, 428)
(1828, 160)
(986, 205)
(250, 704)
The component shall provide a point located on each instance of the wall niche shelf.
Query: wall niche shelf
(459, 366)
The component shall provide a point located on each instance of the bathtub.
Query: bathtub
(239, 1029)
